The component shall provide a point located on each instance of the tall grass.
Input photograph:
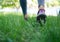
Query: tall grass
(13, 28)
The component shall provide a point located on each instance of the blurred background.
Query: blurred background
(52, 7)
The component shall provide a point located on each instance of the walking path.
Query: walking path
(53, 11)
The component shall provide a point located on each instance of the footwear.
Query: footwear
(26, 17)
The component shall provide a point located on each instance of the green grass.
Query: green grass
(13, 28)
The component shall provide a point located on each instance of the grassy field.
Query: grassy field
(13, 28)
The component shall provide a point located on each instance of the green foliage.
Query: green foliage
(8, 3)
(15, 3)
(53, 3)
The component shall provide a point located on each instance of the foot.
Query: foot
(26, 17)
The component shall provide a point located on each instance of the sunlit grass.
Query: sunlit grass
(13, 28)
